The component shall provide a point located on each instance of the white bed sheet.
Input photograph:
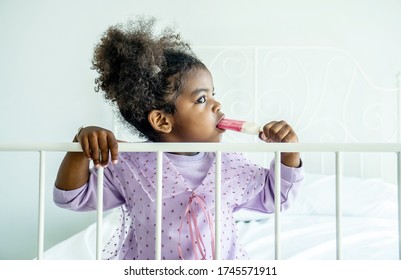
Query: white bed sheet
(308, 228)
(314, 238)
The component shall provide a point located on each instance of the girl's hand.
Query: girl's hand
(97, 143)
(282, 132)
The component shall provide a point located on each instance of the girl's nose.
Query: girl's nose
(216, 106)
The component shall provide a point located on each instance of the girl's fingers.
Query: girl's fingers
(97, 144)
(94, 149)
(104, 151)
(278, 132)
(283, 133)
(291, 137)
(113, 146)
(271, 129)
(85, 147)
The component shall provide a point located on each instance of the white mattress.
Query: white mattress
(314, 238)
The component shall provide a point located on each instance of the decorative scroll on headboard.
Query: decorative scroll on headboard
(323, 92)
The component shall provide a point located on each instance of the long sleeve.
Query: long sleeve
(291, 181)
(85, 197)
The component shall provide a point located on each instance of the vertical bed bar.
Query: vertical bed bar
(399, 202)
(99, 223)
(41, 222)
(399, 161)
(217, 206)
(159, 197)
(338, 204)
(277, 204)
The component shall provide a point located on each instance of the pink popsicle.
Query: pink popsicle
(240, 126)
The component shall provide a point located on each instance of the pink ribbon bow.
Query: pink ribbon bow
(191, 214)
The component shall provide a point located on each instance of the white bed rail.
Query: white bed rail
(277, 148)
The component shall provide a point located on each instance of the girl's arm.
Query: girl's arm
(282, 132)
(74, 169)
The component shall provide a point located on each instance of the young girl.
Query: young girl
(167, 95)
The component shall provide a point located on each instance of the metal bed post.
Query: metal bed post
(159, 189)
(399, 201)
(338, 205)
(99, 223)
(217, 206)
(41, 206)
(277, 204)
(399, 161)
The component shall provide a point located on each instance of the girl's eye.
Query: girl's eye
(201, 100)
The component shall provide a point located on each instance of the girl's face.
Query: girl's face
(197, 112)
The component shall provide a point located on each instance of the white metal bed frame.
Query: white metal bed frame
(338, 149)
(277, 148)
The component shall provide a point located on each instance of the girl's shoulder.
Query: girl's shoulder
(137, 158)
(237, 159)
(233, 157)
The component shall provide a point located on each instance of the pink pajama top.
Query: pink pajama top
(188, 202)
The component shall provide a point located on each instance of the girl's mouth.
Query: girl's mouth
(221, 118)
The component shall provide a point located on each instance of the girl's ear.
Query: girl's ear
(160, 121)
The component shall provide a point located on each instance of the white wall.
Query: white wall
(46, 84)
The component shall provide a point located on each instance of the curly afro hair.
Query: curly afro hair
(140, 72)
